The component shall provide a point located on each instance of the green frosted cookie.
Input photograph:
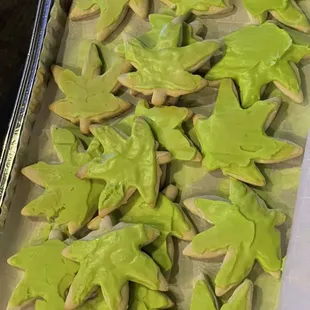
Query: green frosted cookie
(244, 230)
(67, 200)
(268, 55)
(286, 11)
(167, 217)
(233, 139)
(111, 13)
(111, 260)
(166, 124)
(165, 68)
(127, 165)
(89, 98)
(203, 298)
(200, 7)
(47, 276)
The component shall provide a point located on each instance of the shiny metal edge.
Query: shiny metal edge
(34, 75)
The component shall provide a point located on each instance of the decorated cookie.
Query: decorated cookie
(89, 98)
(244, 230)
(110, 261)
(111, 13)
(203, 298)
(166, 124)
(286, 11)
(232, 138)
(167, 217)
(47, 276)
(67, 200)
(200, 7)
(127, 165)
(165, 69)
(268, 55)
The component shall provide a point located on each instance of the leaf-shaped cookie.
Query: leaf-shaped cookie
(268, 55)
(67, 200)
(200, 7)
(165, 69)
(203, 298)
(244, 230)
(127, 165)
(286, 11)
(89, 98)
(166, 124)
(111, 13)
(110, 261)
(167, 217)
(47, 276)
(232, 138)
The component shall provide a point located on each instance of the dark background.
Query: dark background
(16, 23)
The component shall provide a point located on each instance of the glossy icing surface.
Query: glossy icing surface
(47, 276)
(110, 261)
(233, 138)
(266, 52)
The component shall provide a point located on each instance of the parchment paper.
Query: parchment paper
(280, 192)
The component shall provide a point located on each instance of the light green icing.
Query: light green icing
(233, 138)
(97, 303)
(90, 96)
(110, 261)
(202, 298)
(166, 217)
(41, 234)
(266, 52)
(166, 65)
(85, 139)
(246, 229)
(199, 6)
(67, 200)
(158, 21)
(283, 10)
(126, 163)
(166, 124)
(47, 276)
(142, 298)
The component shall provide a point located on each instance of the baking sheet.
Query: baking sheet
(280, 192)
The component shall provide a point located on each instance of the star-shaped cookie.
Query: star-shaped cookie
(111, 260)
(165, 69)
(286, 11)
(47, 276)
(111, 13)
(67, 200)
(90, 98)
(127, 165)
(232, 138)
(244, 230)
(166, 124)
(267, 54)
(203, 298)
(167, 217)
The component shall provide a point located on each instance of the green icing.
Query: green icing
(245, 229)
(126, 165)
(111, 13)
(110, 261)
(266, 52)
(166, 65)
(203, 298)
(67, 200)
(198, 6)
(142, 298)
(166, 217)
(89, 97)
(41, 234)
(166, 124)
(233, 138)
(47, 276)
(286, 11)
